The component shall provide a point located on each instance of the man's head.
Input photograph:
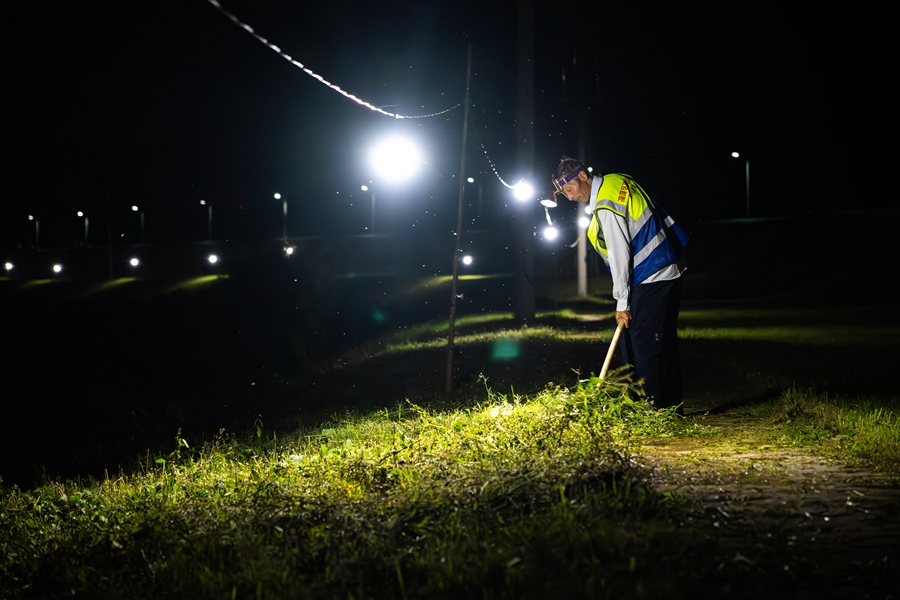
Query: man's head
(572, 180)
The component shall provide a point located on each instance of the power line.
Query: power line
(315, 75)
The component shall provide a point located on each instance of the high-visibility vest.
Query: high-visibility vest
(656, 240)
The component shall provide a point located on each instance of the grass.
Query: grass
(512, 496)
(858, 430)
(499, 500)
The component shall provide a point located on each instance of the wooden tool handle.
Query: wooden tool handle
(612, 349)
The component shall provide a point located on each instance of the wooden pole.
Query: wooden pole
(612, 349)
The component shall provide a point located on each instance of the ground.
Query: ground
(806, 513)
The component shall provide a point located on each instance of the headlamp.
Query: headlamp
(559, 183)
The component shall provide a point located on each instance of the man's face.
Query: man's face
(578, 189)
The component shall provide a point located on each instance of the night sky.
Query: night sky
(164, 103)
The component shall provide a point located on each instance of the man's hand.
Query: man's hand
(624, 317)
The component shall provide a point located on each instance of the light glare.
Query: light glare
(523, 191)
(396, 159)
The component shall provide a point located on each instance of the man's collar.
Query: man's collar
(596, 182)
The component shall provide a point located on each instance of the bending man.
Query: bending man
(641, 246)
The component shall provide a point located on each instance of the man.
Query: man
(641, 246)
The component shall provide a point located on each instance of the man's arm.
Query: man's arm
(618, 245)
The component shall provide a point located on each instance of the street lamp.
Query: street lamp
(135, 208)
(87, 222)
(746, 177)
(366, 188)
(209, 216)
(37, 230)
(523, 191)
(284, 216)
(394, 160)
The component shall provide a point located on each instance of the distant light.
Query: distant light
(213, 259)
(288, 250)
(31, 217)
(57, 268)
(134, 207)
(203, 202)
(590, 169)
(587, 209)
(523, 191)
(551, 233)
(471, 180)
(735, 155)
(467, 259)
(134, 262)
(364, 187)
(7, 266)
(80, 213)
(584, 222)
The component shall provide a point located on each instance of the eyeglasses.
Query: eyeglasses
(559, 183)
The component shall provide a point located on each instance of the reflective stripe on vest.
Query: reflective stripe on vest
(656, 240)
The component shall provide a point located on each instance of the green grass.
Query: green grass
(860, 430)
(499, 500)
(511, 496)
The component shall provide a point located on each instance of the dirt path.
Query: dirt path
(784, 511)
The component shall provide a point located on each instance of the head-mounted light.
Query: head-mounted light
(559, 183)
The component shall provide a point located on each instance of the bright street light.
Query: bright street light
(393, 160)
(551, 233)
(523, 191)
(467, 259)
(396, 159)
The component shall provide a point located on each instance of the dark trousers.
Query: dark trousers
(651, 344)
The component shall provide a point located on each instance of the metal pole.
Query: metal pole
(747, 179)
(456, 251)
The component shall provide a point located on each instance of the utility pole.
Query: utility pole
(525, 289)
(458, 245)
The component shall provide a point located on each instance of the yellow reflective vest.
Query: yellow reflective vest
(656, 240)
